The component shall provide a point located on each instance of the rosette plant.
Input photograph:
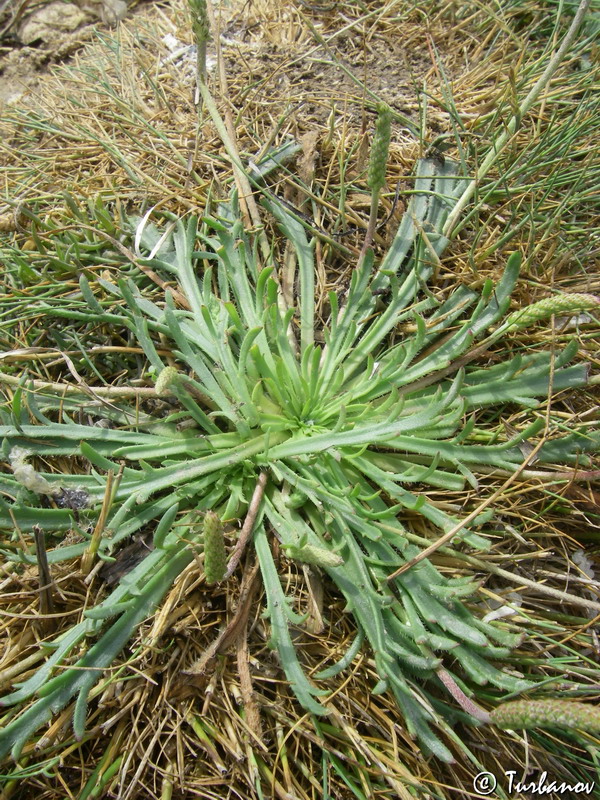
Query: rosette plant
(336, 431)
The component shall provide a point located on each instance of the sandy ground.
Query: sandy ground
(36, 36)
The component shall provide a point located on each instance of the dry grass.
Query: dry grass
(118, 122)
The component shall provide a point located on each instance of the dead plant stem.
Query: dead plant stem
(246, 531)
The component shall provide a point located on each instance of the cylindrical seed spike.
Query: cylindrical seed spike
(215, 557)
(165, 379)
(380, 148)
(547, 714)
(557, 304)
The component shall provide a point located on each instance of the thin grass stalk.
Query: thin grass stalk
(500, 143)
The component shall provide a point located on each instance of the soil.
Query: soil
(34, 38)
